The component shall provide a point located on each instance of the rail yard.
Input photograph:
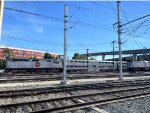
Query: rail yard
(61, 57)
(26, 88)
(86, 92)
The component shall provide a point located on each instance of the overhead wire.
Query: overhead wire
(110, 7)
(51, 43)
(89, 9)
(134, 37)
(134, 30)
(59, 19)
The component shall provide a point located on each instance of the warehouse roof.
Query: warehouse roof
(26, 49)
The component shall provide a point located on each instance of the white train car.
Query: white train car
(93, 65)
(26, 65)
(77, 65)
(124, 66)
(107, 65)
(138, 66)
(53, 65)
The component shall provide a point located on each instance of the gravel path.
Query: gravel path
(141, 105)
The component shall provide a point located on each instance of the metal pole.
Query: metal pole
(1, 15)
(65, 44)
(119, 40)
(87, 59)
(113, 55)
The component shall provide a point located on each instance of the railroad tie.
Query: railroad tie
(44, 106)
(12, 110)
(25, 109)
(93, 107)
(34, 107)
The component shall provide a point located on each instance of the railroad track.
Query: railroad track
(8, 79)
(57, 89)
(53, 74)
(74, 102)
(42, 78)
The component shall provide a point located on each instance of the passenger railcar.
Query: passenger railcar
(138, 66)
(53, 65)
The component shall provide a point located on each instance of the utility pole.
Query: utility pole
(1, 15)
(87, 59)
(65, 44)
(113, 42)
(119, 40)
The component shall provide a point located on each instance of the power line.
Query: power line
(111, 7)
(89, 9)
(35, 14)
(55, 18)
(134, 30)
(99, 4)
(52, 43)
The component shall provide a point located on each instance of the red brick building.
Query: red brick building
(22, 53)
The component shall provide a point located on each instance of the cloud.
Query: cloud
(39, 29)
(39, 21)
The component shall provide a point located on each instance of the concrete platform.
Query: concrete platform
(77, 81)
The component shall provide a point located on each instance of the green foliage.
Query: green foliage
(2, 64)
(48, 56)
(80, 57)
(8, 53)
(76, 56)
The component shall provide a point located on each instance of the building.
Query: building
(19, 53)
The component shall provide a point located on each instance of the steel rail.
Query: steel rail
(73, 97)
(91, 104)
(29, 92)
(99, 85)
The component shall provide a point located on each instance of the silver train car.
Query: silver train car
(52, 65)
(26, 65)
(138, 66)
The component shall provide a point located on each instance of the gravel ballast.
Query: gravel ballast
(141, 105)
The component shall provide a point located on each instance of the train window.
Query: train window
(48, 60)
(35, 60)
(20, 59)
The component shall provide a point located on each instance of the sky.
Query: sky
(90, 26)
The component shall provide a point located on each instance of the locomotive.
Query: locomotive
(56, 65)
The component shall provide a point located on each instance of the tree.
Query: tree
(76, 56)
(81, 57)
(48, 56)
(2, 64)
(8, 53)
